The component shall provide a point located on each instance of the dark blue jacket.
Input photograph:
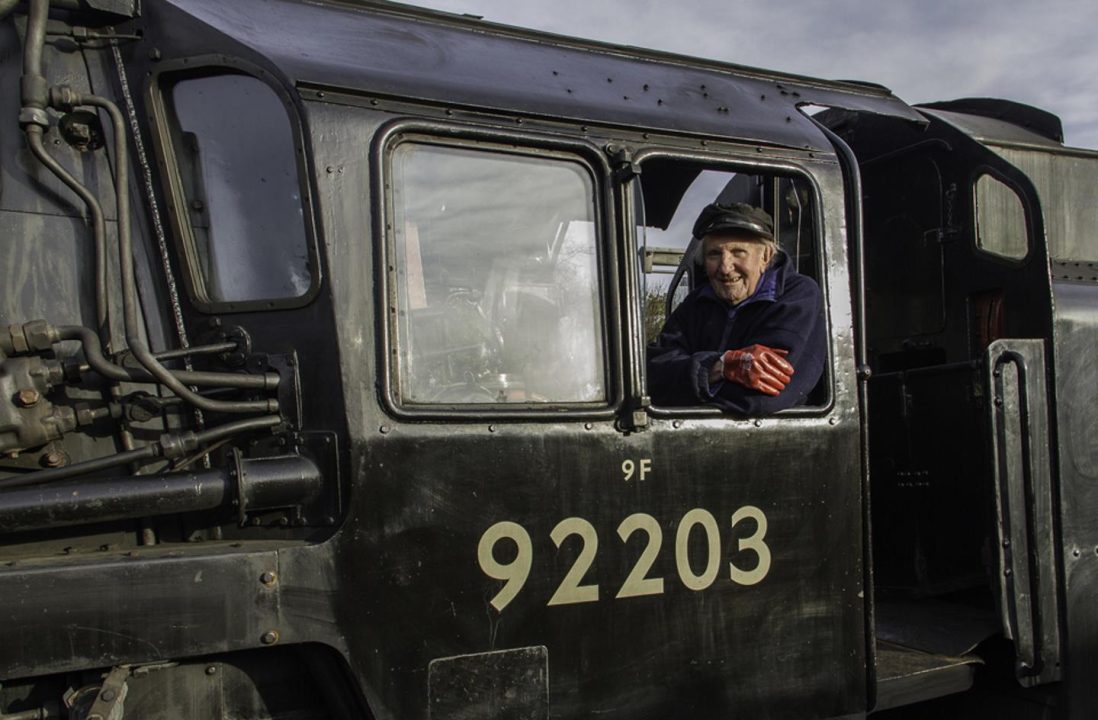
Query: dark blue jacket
(785, 312)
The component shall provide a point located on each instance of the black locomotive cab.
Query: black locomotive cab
(326, 388)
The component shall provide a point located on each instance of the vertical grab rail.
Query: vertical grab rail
(1022, 473)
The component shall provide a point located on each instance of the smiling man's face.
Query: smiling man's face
(735, 263)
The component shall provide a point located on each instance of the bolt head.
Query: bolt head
(55, 459)
(269, 638)
(28, 397)
(268, 578)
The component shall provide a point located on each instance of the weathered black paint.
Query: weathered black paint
(382, 571)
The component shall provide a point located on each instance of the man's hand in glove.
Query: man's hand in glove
(756, 367)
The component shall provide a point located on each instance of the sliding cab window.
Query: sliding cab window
(672, 194)
(494, 278)
(236, 190)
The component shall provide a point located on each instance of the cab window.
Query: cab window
(1000, 219)
(236, 191)
(672, 194)
(495, 278)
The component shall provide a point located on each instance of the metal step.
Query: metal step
(906, 676)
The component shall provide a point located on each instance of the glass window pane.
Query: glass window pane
(1000, 219)
(234, 147)
(496, 278)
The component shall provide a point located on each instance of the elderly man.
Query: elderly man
(751, 340)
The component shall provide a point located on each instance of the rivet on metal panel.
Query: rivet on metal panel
(998, 402)
(268, 578)
(758, 423)
(677, 424)
(1075, 552)
(269, 638)
(384, 429)
(833, 421)
(588, 426)
(491, 428)
(55, 459)
(1008, 572)
(211, 669)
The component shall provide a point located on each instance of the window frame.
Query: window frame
(172, 187)
(994, 173)
(756, 165)
(530, 144)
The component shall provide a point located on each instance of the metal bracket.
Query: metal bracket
(108, 704)
(634, 417)
(621, 158)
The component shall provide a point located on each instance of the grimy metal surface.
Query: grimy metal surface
(424, 493)
(384, 49)
(1022, 467)
(688, 564)
(395, 588)
(1076, 327)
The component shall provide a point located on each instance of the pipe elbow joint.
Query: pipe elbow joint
(64, 98)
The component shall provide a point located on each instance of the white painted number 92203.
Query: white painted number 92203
(572, 590)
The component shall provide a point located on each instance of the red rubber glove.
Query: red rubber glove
(758, 367)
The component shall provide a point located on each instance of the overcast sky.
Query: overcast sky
(1040, 53)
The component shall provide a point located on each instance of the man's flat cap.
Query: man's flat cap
(741, 217)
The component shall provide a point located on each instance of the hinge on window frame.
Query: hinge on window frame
(634, 415)
(621, 160)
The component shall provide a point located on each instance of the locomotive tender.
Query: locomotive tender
(323, 371)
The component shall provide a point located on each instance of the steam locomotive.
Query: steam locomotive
(324, 381)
